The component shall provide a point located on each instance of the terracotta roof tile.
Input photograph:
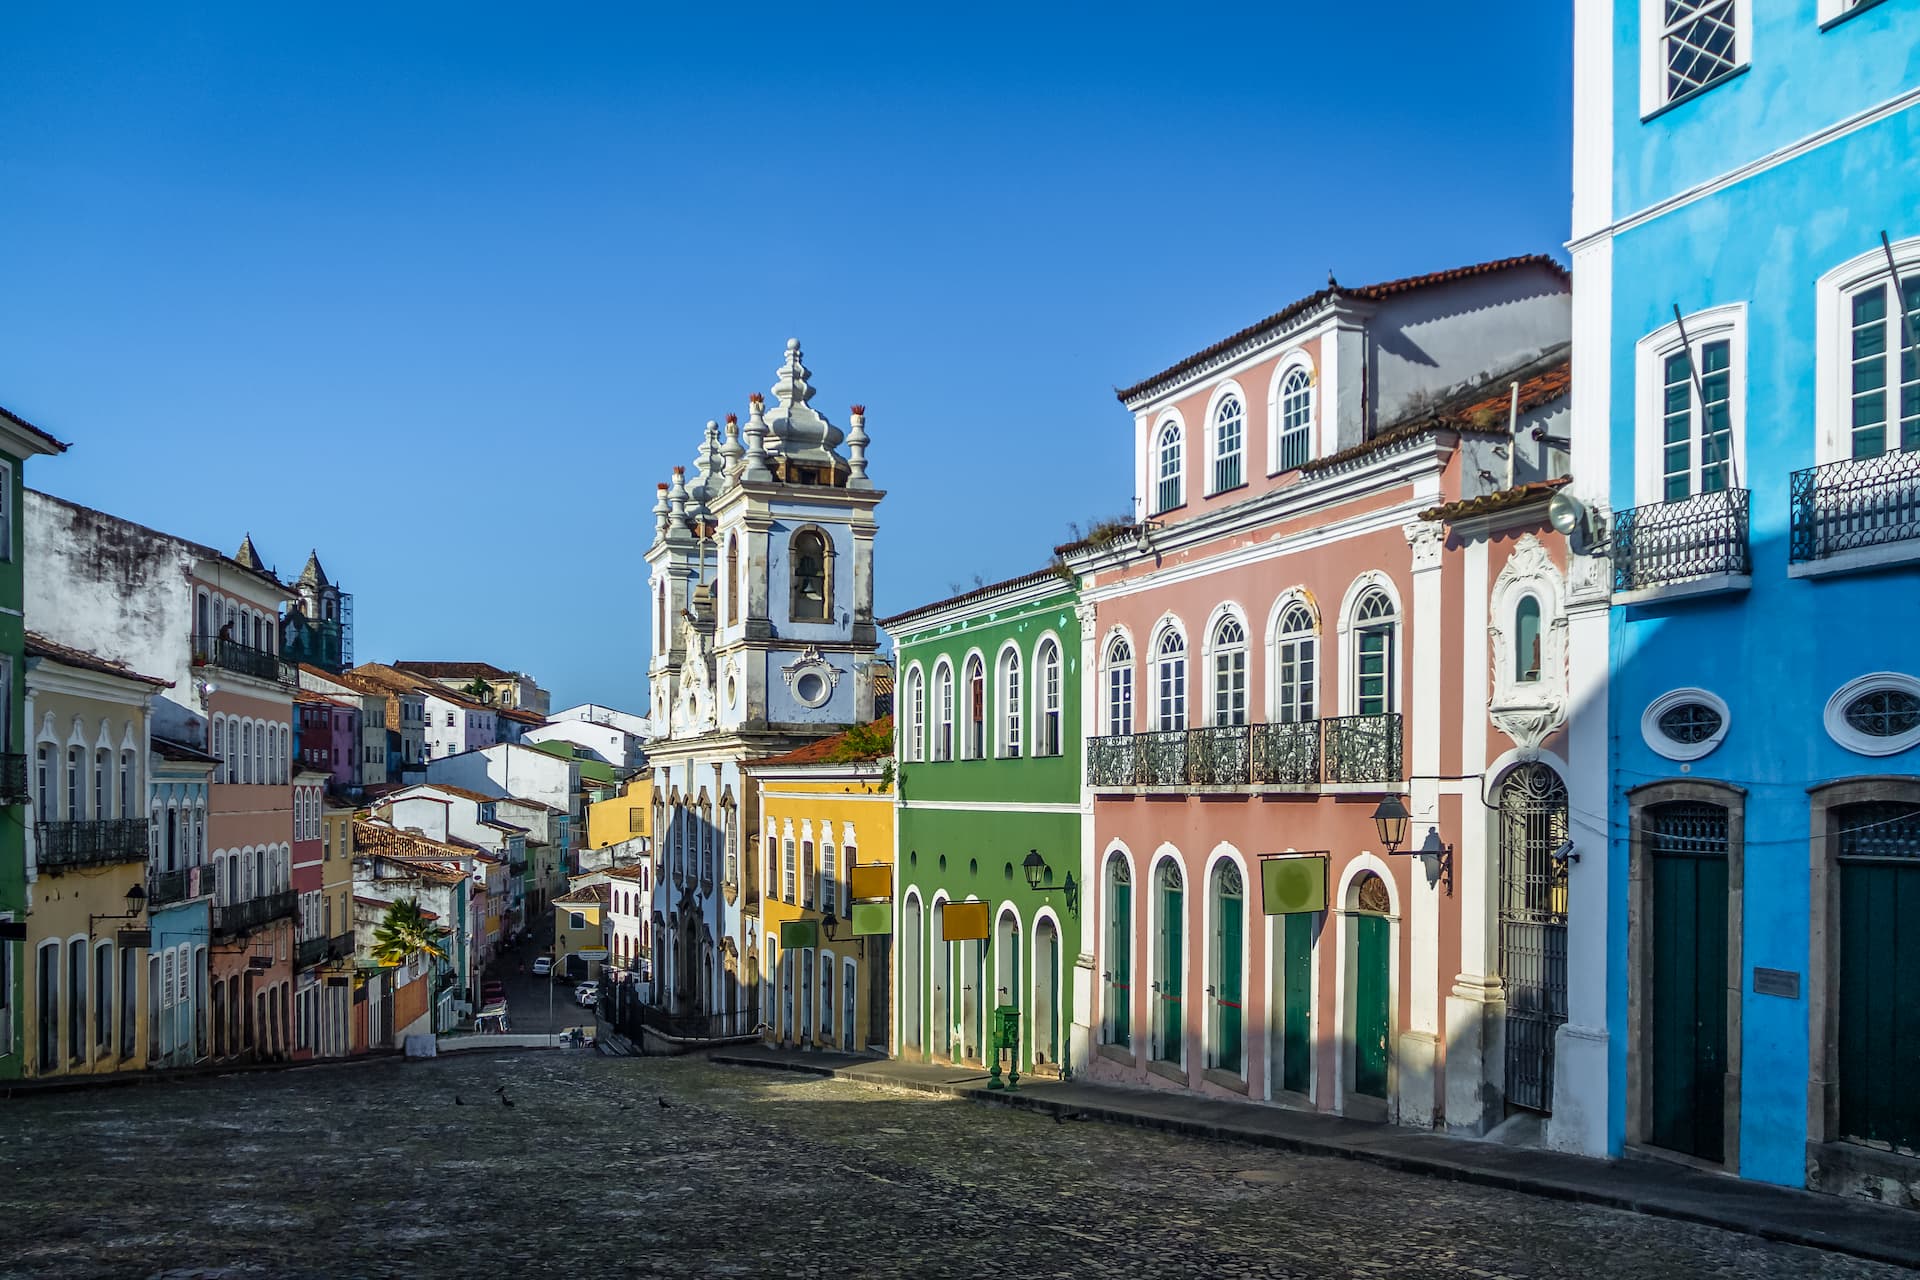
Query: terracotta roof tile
(455, 670)
(1487, 503)
(59, 446)
(822, 752)
(1365, 292)
(38, 646)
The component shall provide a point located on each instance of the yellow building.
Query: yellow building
(826, 841)
(622, 817)
(579, 924)
(88, 931)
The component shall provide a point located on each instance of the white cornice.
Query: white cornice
(1250, 350)
(1018, 599)
(1772, 160)
(50, 675)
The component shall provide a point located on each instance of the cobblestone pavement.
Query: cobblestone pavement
(372, 1169)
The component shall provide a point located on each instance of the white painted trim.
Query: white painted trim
(1835, 715)
(1167, 853)
(1150, 665)
(1344, 943)
(1784, 155)
(1210, 978)
(1832, 359)
(1357, 590)
(1036, 701)
(1649, 353)
(1660, 744)
(1102, 1011)
(1150, 501)
(1594, 52)
(1222, 611)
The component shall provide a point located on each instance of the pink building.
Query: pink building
(328, 735)
(1341, 597)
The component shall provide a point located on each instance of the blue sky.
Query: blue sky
(444, 290)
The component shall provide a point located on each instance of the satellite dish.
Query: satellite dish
(1566, 513)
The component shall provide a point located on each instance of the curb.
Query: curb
(1430, 1166)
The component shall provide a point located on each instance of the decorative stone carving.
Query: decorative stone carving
(1428, 538)
(1528, 710)
(811, 678)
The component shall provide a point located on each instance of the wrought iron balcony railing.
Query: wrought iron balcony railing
(340, 946)
(13, 778)
(238, 917)
(1286, 755)
(91, 842)
(243, 659)
(1855, 503)
(1671, 542)
(1360, 749)
(309, 952)
(164, 887)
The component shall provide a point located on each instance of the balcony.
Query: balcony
(13, 778)
(239, 917)
(340, 946)
(90, 842)
(243, 659)
(1858, 513)
(309, 952)
(1695, 546)
(167, 887)
(1360, 750)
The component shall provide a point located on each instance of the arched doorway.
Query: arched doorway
(1226, 1030)
(941, 1044)
(1533, 929)
(1119, 969)
(1006, 974)
(1369, 1040)
(1046, 992)
(913, 1012)
(1170, 970)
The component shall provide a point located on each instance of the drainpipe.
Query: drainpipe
(1513, 431)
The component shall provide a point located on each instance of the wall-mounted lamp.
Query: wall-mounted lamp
(136, 903)
(1039, 873)
(1390, 819)
(830, 925)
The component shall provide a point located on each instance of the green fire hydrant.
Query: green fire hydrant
(1006, 1039)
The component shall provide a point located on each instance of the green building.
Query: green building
(989, 814)
(19, 440)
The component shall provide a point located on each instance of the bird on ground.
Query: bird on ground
(662, 1102)
(505, 1101)
(459, 1101)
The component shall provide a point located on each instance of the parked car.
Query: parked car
(542, 966)
(587, 993)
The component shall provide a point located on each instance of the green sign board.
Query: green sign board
(796, 934)
(1293, 884)
(872, 917)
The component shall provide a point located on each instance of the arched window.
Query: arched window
(1227, 1024)
(1295, 411)
(786, 873)
(76, 784)
(1049, 664)
(1119, 957)
(127, 805)
(1526, 640)
(1229, 672)
(43, 784)
(913, 742)
(1169, 493)
(1119, 687)
(1170, 681)
(829, 875)
(975, 693)
(1229, 439)
(1296, 665)
(1010, 703)
(660, 621)
(102, 796)
(246, 751)
(943, 711)
(812, 583)
(733, 579)
(1373, 654)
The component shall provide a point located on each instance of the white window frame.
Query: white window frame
(1215, 651)
(1221, 394)
(1831, 11)
(1128, 689)
(1653, 62)
(1835, 716)
(1156, 462)
(1660, 744)
(1350, 631)
(943, 736)
(969, 748)
(1048, 699)
(1277, 686)
(1727, 322)
(1294, 361)
(1009, 676)
(1833, 354)
(913, 741)
(1183, 689)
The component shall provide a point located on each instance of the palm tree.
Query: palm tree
(405, 932)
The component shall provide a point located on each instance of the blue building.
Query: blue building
(1745, 945)
(180, 885)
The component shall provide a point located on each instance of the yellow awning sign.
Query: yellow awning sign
(873, 881)
(963, 921)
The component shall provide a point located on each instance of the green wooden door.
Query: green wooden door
(1172, 1026)
(1053, 997)
(1296, 1045)
(1230, 1012)
(1370, 1013)
(1687, 1061)
(1120, 964)
(1879, 851)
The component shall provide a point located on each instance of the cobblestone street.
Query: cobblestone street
(373, 1170)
